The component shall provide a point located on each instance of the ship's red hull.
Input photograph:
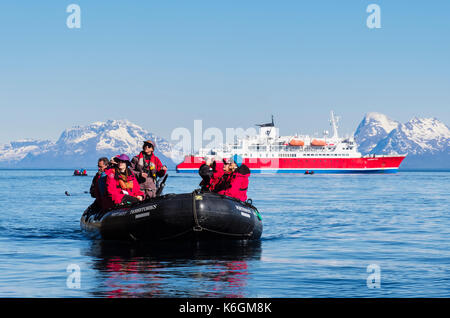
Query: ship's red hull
(380, 164)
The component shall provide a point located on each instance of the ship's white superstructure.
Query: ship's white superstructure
(269, 144)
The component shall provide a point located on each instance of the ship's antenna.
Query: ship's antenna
(334, 121)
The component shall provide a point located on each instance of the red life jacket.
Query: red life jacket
(153, 165)
(223, 183)
(116, 188)
(239, 183)
(216, 178)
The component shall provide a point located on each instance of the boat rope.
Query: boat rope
(229, 234)
(175, 235)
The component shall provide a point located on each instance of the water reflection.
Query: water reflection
(182, 269)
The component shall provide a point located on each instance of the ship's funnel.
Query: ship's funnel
(268, 130)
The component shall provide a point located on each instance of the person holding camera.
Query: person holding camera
(147, 167)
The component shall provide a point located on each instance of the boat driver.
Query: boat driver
(146, 167)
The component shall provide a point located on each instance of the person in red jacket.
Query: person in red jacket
(239, 179)
(121, 184)
(217, 175)
(146, 166)
(98, 185)
(222, 182)
(210, 171)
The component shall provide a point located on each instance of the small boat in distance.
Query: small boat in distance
(81, 172)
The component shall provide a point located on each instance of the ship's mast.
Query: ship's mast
(333, 122)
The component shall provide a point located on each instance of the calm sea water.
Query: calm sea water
(324, 236)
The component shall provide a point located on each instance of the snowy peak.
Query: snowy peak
(113, 136)
(419, 136)
(426, 141)
(372, 129)
(19, 149)
(426, 129)
(381, 121)
(82, 146)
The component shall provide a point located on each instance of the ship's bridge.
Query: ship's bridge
(268, 130)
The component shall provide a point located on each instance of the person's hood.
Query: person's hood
(243, 169)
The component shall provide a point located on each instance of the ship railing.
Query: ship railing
(372, 155)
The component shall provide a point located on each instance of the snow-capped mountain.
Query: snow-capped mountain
(372, 129)
(417, 137)
(426, 141)
(17, 150)
(81, 147)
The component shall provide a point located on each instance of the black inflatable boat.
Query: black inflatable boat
(185, 216)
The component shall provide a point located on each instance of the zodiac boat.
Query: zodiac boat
(185, 216)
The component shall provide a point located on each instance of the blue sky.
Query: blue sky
(162, 64)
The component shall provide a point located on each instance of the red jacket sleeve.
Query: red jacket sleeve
(235, 183)
(215, 179)
(112, 190)
(239, 185)
(158, 166)
(136, 188)
(243, 187)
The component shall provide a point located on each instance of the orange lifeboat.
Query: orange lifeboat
(296, 142)
(318, 143)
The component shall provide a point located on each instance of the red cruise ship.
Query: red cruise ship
(268, 152)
